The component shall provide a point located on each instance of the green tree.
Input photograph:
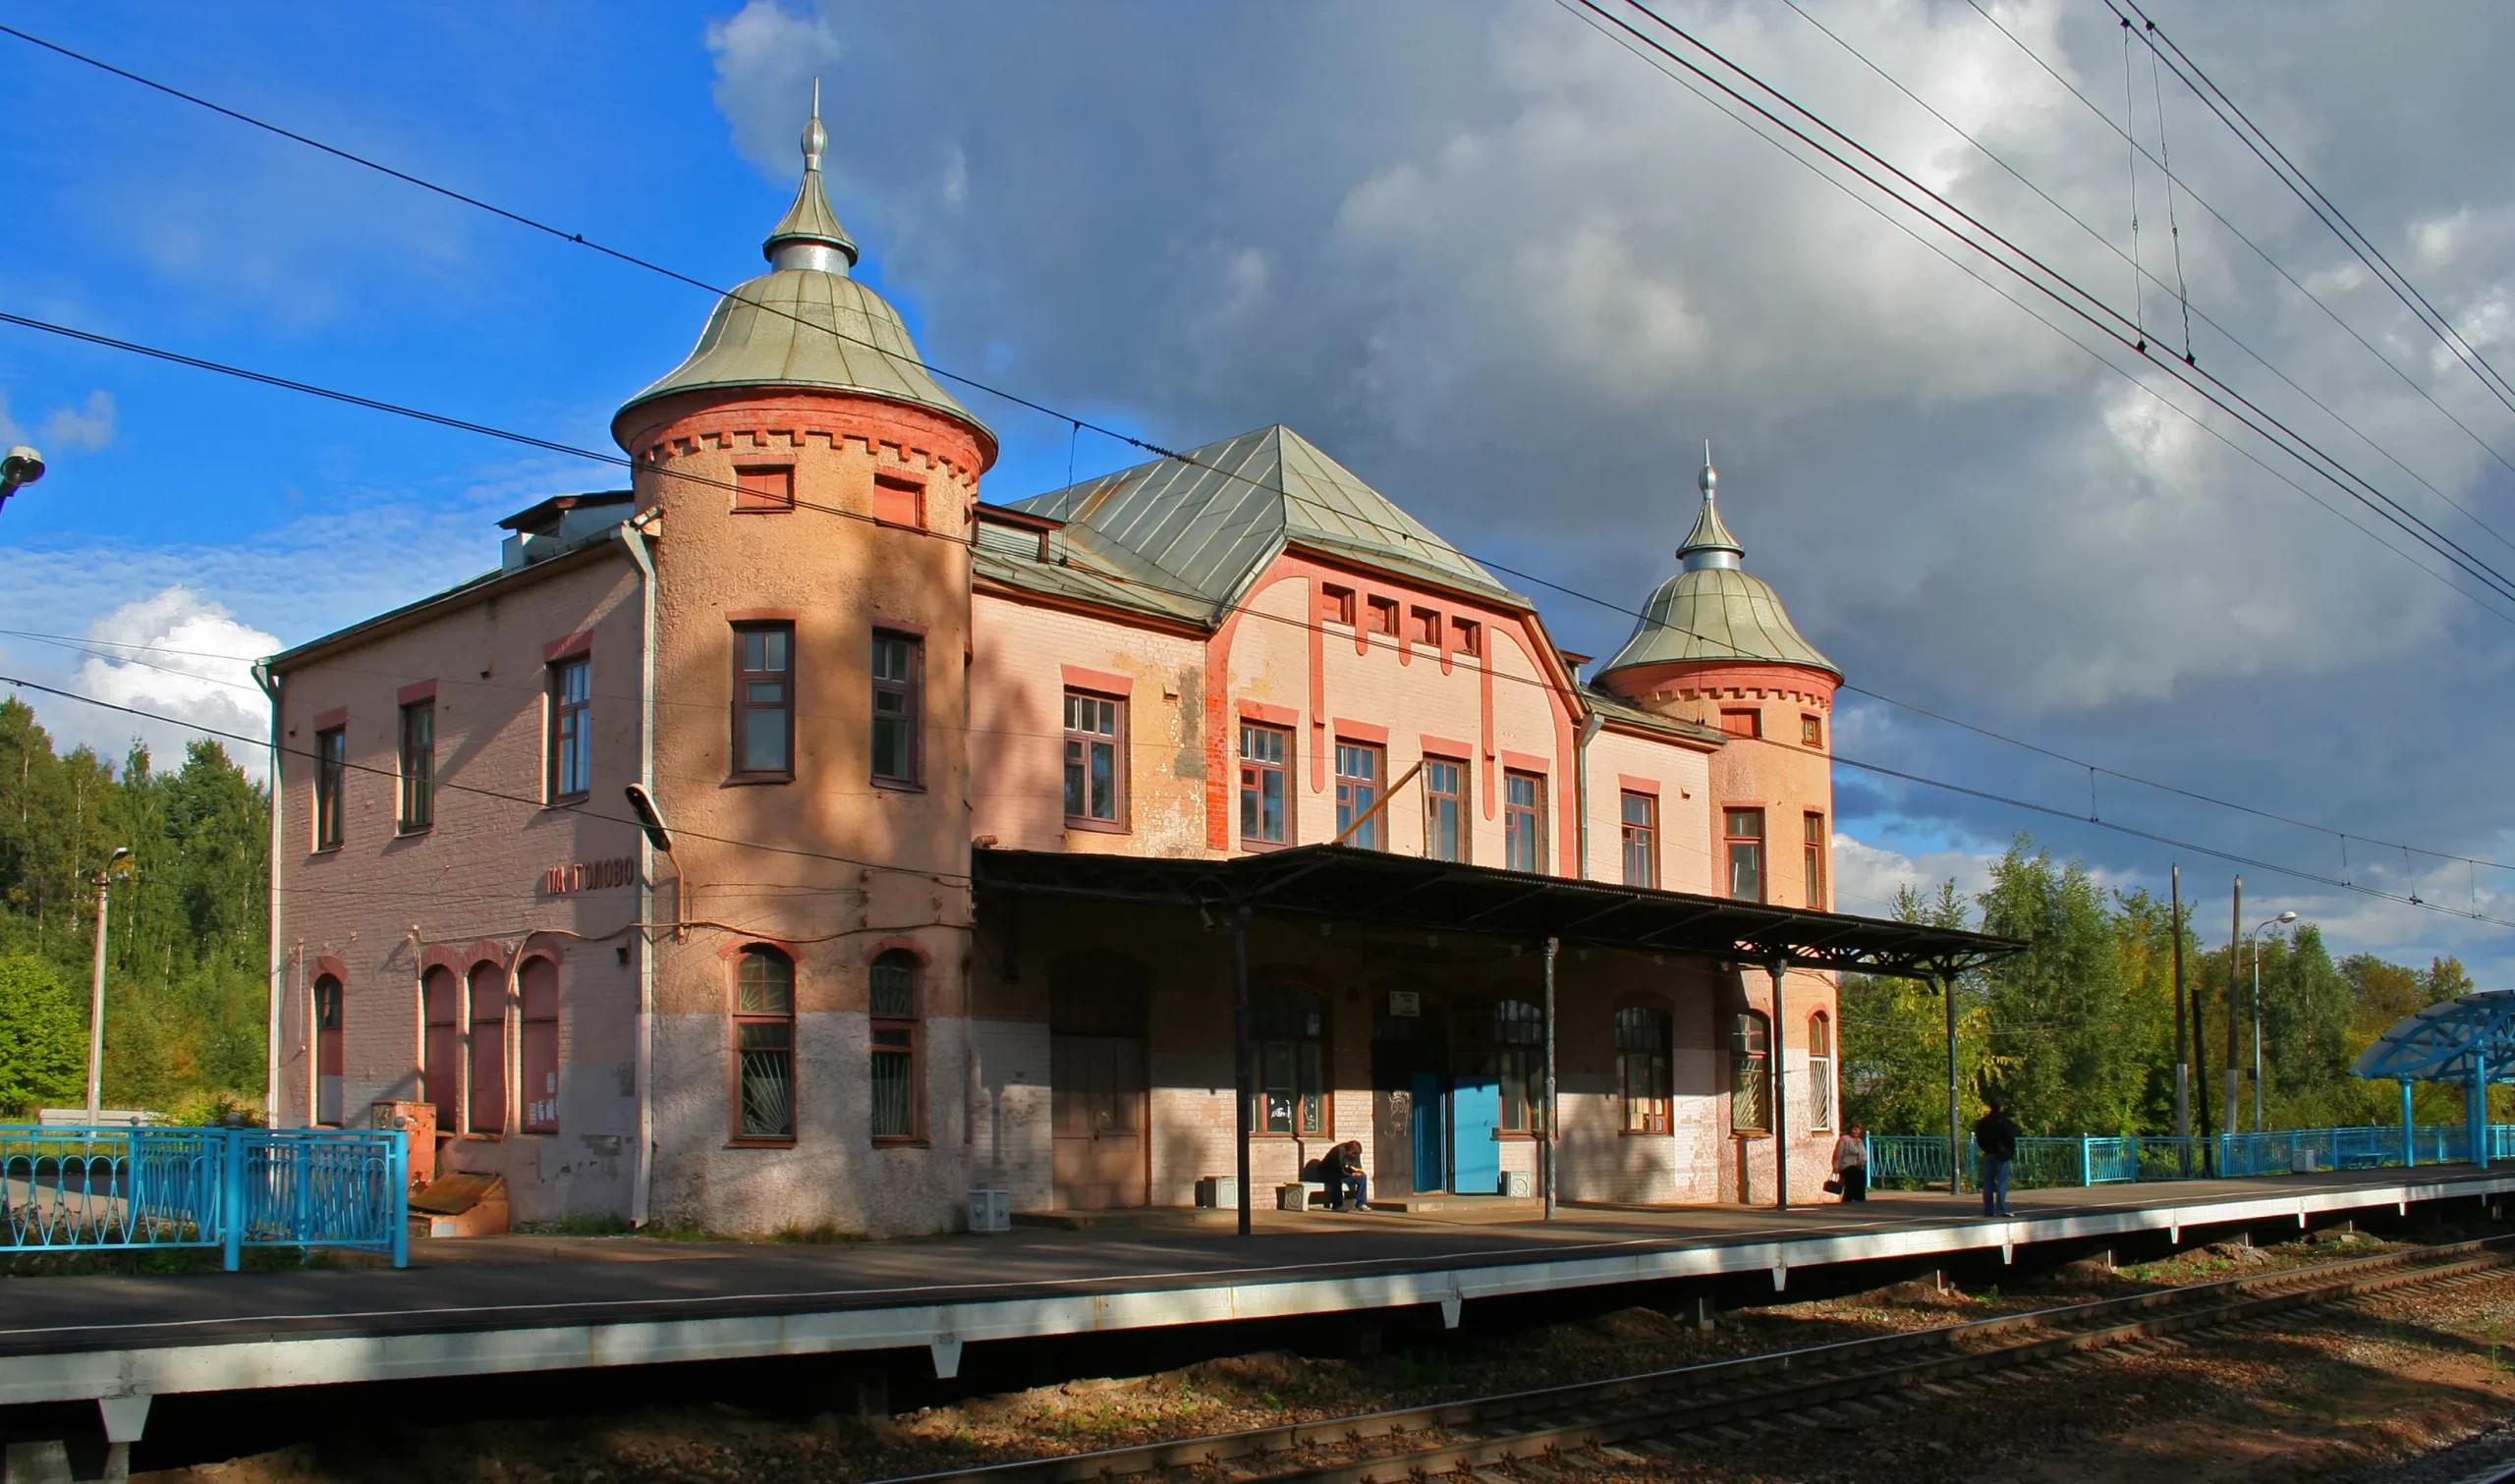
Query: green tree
(1894, 1038)
(2063, 1033)
(43, 1048)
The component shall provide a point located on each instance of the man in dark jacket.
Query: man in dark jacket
(1343, 1168)
(1995, 1134)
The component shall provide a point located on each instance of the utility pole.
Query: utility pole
(2235, 996)
(2182, 1043)
(96, 998)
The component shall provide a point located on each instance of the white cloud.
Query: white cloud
(179, 656)
(81, 429)
(1867, 876)
(767, 58)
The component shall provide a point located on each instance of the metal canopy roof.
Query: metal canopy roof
(2449, 1041)
(1379, 889)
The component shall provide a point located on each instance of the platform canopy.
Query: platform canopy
(1378, 888)
(2459, 1040)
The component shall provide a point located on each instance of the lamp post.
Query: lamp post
(20, 465)
(2282, 920)
(96, 999)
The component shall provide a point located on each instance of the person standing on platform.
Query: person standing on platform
(1995, 1134)
(1851, 1162)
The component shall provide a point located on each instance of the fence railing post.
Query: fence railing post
(397, 1194)
(231, 1196)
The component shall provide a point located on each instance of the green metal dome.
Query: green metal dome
(1714, 611)
(806, 323)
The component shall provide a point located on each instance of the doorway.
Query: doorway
(1096, 1022)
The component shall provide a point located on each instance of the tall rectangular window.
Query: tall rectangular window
(1744, 833)
(1812, 830)
(1519, 1064)
(1524, 822)
(1812, 729)
(328, 1051)
(418, 767)
(898, 666)
(486, 1112)
(331, 770)
(1359, 766)
(1641, 1069)
(1750, 1074)
(1291, 1028)
(539, 982)
(891, 1009)
(764, 700)
(571, 730)
(1640, 840)
(1444, 809)
(1096, 780)
(765, 1045)
(441, 1042)
(1820, 1071)
(1265, 806)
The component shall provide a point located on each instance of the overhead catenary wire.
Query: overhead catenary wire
(548, 445)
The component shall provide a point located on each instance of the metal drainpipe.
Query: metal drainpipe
(1581, 788)
(634, 540)
(1553, 1138)
(270, 682)
(1780, 1099)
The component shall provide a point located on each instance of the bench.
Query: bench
(1299, 1195)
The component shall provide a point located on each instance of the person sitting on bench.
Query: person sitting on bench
(1342, 1169)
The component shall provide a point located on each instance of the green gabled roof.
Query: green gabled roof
(1206, 524)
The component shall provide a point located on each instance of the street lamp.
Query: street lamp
(20, 465)
(2282, 920)
(96, 1003)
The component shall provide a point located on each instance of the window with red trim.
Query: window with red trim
(1640, 840)
(1466, 637)
(441, 1039)
(765, 1045)
(486, 1111)
(898, 502)
(328, 1051)
(1641, 1069)
(764, 488)
(1336, 604)
(891, 1009)
(539, 982)
(1383, 616)
(1743, 723)
(1425, 628)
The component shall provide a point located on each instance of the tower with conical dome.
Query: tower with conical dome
(806, 488)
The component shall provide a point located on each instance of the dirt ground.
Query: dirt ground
(2340, 1394)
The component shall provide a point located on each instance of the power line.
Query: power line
(1407, 536)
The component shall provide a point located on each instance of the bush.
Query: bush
(42, 1037)
(209, 1108)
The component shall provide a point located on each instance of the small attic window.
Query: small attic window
(1336, 604)
(1383, 616)
(1466, 637)
(764, 489)
(898, 501)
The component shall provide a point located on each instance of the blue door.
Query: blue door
(1475, 1156)
(1431, 1133)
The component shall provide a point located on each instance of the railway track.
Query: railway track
(1862, 1376)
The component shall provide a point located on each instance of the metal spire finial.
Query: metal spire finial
(1710, 479)
(816, 137)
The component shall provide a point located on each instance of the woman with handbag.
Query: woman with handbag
(1851, 1164)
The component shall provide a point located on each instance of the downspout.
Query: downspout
(633, 539)
(269, 680)
(1589, 726)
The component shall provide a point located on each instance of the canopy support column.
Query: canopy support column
(1546, 1150)
(1780, 1100)
(1240, 1051)
(2409, 1131)
(2477, 1109)
(1947, 999)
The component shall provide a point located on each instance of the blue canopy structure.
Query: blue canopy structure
(2467, 1040)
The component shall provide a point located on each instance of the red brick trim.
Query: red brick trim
(327, 964)
(1273, 716)
(1078, 678)
(460, 959)
(732, 947)
(338, 716)
(924, 958)
(415, 693)
(1444, 747)
(1526, 762)
(900, 626)
(571, 648)
(764, 616)
(900, 474)
(1631, 785)
(1362, 732)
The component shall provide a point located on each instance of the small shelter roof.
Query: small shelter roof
(1379, 889)
(2446, 1042)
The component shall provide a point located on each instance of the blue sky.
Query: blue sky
(1495, 265)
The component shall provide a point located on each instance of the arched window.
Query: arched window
(328, 1051)
(765, 1044)
(1641, 1069)
(538, 980)
(486, 1110)
(891, 1007)
(441, 1016)
(1820, 1071)
(1519, 1045)
(1750, 1072)
(1292, 1063)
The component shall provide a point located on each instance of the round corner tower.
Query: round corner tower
(804, 490)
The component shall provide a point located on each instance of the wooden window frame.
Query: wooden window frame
(898, 1035)
(1252, 787)
(1813, 842)
(571, 731)
(537, 1039)
(764, 489)
(1462, 797)
(1652, 1112)
(1352, 804)
(1426, 628)
(767, 1018)
(1336, 604)
(911, 690)
(1820, 1073)
(1812, 729)
(331, 778)
(1383, 616)
(328, 1049)
(1309, 1054)
(416, 797)
(1527, 819)
(1519, 1055)
(442, 1013)
(1642, 833)
(896, 496)
(1750, 1075)
(745, 707)
(1079, 744)
(1466, 637)
(1756, 847)
(1743, 721)
(486, 1054)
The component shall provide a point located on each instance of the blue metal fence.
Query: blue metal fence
(1921, 1158)
(101, 1188)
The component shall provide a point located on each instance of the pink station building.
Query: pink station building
(1006, 839)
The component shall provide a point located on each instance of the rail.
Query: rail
(110, 1188)
(1921, 1159)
